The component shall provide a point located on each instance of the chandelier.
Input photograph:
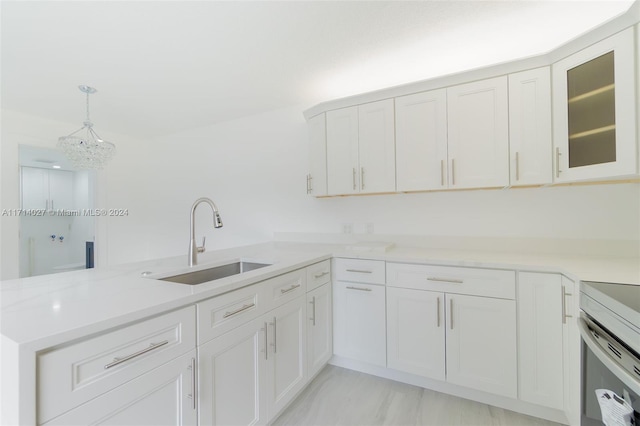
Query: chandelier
(84, 148)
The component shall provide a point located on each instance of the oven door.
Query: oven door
(607, 364)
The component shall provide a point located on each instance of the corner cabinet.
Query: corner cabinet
(595, 111)
(361, 149)
(317, 177)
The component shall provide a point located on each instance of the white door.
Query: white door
(319, 328)
(481, 344)
(478, 134)
(317, 178)
(359, 323)
(540, 298)
(34, 188)
(163, 396)
(530, 127)
(286, 372)
(595, 111)
(377, 147)
(232, 377)
(421, 141)
(342, 151)
(61, 190)
(415, 332)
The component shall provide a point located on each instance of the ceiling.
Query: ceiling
(164, 66)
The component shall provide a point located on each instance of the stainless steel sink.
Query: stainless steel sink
(215, 273)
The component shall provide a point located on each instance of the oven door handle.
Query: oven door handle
(606, 359)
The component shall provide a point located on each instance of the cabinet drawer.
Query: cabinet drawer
(360, 270)
(318, 274)
(450, 279)
(72, 375)
(281, 289)
(222, 313)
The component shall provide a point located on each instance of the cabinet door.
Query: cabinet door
(317, 177)
(164, 396)
(571, 346)
(34, 188)
(481, 344)
(319, 328)
(478, 133)
(421, 141)
(60, 190)
(232, 377)
(415, 332)
(540, 299)
(530, 127)
(359, 323)
(342, 151)
(287, 348)
(595, 111)
(377, 147)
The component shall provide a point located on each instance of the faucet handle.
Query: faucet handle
(201, 249)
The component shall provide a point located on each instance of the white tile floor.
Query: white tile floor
(347, 398)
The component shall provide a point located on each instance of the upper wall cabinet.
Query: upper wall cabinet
(478, 133)
(361, 149)
(46, 189)
(421, 141)
(530, 127)
(317, 177)
(595, 111)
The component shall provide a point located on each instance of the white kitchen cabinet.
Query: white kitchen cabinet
(361, 149)
(421, 141)
(317, 177)
(478, 134)
(359, 323)
(46, 189)
(540, 337)
(319, 328)
(163, 396)
(595, 111)
(481, 344)
(530, 143)
(416, 332)
(571, 347)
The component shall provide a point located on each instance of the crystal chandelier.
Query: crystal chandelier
(84, 148)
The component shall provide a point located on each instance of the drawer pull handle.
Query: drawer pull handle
(360, 271)
(237, 311)
(321, 274)
(359, 288)
(445, 280)
(151, 347)
(293, 287)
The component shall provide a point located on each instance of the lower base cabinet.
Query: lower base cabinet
(163, 396)
(252, 372)
(319, 329)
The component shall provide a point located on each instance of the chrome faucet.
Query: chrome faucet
(217, 223)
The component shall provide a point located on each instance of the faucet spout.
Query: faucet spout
(217, 223)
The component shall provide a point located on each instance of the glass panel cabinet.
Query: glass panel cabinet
(594, 107)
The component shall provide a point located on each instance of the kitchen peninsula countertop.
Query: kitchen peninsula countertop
(45, 311)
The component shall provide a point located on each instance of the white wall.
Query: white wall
(254, 169)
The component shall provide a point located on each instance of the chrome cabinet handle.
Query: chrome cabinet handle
(152, 346)
(266, 341)
(362, 177)
(313, 303)
(558, 154)
(360, 271)
(310, 184)
(354, 178)
(453, 171)
(517, 166)
(237, 311)
(275, 336)
(445, 280)
(320, 275)
(564, 295)
(451, 313)
(359, 288)
(441, 172)
(438, 311)
(308, 190)
(293, 287)
(193, 395)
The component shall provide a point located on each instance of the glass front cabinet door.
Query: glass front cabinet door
(594, 111)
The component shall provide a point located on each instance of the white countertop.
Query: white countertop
(45, 311)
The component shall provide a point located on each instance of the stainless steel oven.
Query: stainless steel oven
(610, 329)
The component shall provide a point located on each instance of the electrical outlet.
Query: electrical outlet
(368, 227)
(347, 228)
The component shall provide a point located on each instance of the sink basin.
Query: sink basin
(215, 273)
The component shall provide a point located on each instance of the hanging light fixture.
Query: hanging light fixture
(84, 148)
